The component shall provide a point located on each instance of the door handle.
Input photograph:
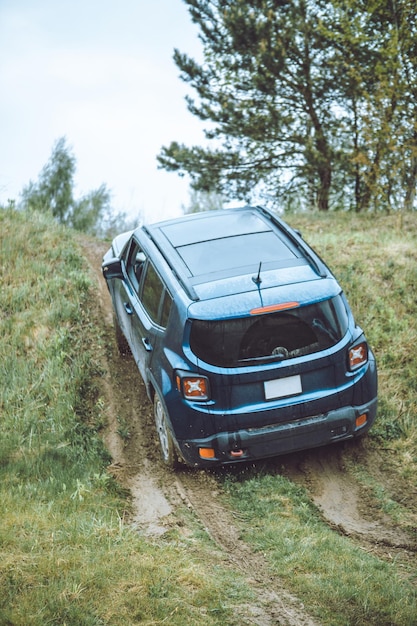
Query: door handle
(128, 308)
(147, 344)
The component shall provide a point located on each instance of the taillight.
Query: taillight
(193, 386)
(358, 355)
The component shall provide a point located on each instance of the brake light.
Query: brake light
(274, 307)
(193, 386)
(358, 355)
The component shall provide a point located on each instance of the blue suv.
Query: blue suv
(243, 337)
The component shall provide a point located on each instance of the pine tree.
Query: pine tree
(264, 87)
(313, 99)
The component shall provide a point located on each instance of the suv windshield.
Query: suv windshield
(273, 336)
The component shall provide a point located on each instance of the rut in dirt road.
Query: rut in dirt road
(156, 492)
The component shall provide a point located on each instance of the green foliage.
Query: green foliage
(312, 99)
(375, 260)
(89, 210)
(203, 201)
(54, 194)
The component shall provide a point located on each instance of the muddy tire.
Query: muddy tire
(121, 341)
(166, 443)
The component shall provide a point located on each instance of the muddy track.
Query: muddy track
(156, 492)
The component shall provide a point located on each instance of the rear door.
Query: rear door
(150, 306)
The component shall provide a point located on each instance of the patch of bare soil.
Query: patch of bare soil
(339, 497)
(350, 507)
(156, 492)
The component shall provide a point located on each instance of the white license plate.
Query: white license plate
(282, 387)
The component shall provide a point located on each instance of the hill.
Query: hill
(95, 531)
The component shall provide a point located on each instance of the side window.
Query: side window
(152, 293)
(146, 282)
(135, 263)
(165, 309)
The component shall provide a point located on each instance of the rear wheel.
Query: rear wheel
(166, 443)
(121, 341)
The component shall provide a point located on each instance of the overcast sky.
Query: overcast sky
(100, 73)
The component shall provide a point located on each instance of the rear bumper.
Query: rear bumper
(258, 443)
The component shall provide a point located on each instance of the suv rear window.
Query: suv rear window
(272, 336)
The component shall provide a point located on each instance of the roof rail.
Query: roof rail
(185, 283)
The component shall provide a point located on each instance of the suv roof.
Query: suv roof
(220, 253)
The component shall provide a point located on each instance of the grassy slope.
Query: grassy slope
(66, 555)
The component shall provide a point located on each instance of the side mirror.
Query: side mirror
(112, 268)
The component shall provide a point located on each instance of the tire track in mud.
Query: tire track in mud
(276, 605)
(156, 492)
(348, 506)
(338, 497)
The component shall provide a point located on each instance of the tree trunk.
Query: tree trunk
(411, 181)
(325, 177)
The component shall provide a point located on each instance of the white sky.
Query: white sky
(100, 73)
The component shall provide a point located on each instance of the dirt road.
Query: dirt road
(156, 492)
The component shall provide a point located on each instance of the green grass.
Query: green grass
(67, 554)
